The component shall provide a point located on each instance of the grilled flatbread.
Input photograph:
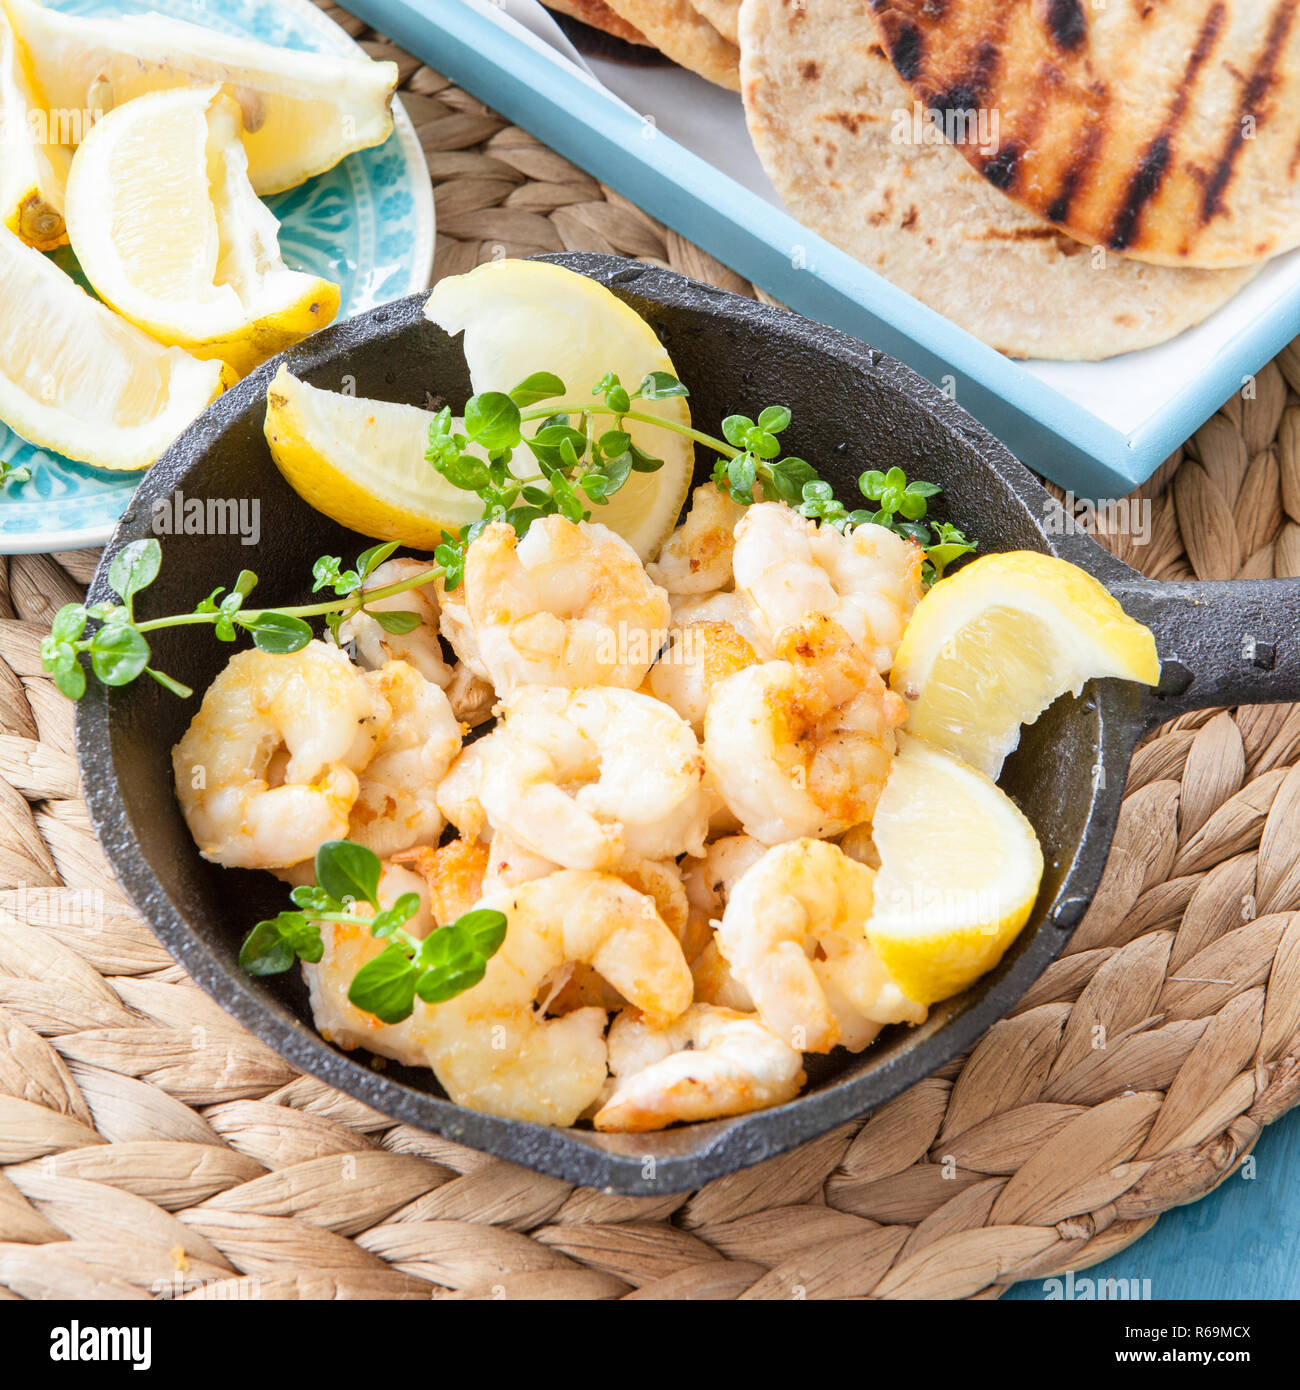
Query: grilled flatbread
(838, 133)
(1168, 131)
(724, 15)
(678, 30)
(599, 15)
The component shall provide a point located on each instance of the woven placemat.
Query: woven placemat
(150, 1147)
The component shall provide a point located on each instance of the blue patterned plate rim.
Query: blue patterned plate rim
(382, 198)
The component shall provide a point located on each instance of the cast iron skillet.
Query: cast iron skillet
(853, 408)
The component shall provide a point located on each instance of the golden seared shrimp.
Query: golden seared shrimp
(420, 646)
(396, 807)
(454, 875)
(794, 936)
(455, 626)
(868, 580)
(700, 656)
(457, 794)
(348, 946)
(495, 1051)
(696, 558)
(708, 1063)
(708, 883)
(569, 605)
(586, 778)
(802, 746)
(578, 985)
(723, 607)
(267, 770)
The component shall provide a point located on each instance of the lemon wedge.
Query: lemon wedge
(77, 379)
(33, 170)
(989, 648)
(522, 317)
(959, 872)
(302, 112)
(362, 463)
(169, 232)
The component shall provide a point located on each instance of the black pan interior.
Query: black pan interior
(853, 409)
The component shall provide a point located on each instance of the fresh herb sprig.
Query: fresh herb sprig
(119, 650)
(580, 455)
(447, 962)
(578, 460)
(14, 473)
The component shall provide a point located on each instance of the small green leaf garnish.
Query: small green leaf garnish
(450, 960)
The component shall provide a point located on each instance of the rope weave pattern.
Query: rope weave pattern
(150, 1147)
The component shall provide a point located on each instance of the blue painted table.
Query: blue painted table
(1239, 1242)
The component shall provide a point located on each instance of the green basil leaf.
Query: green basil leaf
(735, 428)
(492, 419)
(643, 462)
(69, 623)
(71, 680)
(348, 871)
(385, 986)
(396, 621)
(118, 654)
(278, 633)
(371, 559)
(658, 386)
(774, 419)
(134, 567)
(541, 386)
(272, 946)
(486, 928)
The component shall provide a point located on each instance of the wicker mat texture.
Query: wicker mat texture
(152, 1148)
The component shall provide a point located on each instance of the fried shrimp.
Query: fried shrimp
(454, 875)
(397, 806)
(267, 770)
(868, 580)
(458, 792)
(708, 1063)
(708, 883)
(802, 746)
(569, 605)
(700, 656)
(793, 935)
(586, 778)
(420, 646)
(696, 558)
(495, 1051)
(348, 946)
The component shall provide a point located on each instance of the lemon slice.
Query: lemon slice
(169, 232)
(77, 379)
(302, 112)
(989, 648)
(33, 169)
(521, 317)
(959, 872)
(362, 463)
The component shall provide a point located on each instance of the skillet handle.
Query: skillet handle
(1224, 643)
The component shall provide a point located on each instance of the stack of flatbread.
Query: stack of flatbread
(1061, 178)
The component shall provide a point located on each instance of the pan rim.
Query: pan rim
(621, 1164)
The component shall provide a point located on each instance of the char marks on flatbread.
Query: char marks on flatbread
(1169, 132)
(837, 132)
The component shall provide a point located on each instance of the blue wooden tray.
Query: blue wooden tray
(535, 88)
